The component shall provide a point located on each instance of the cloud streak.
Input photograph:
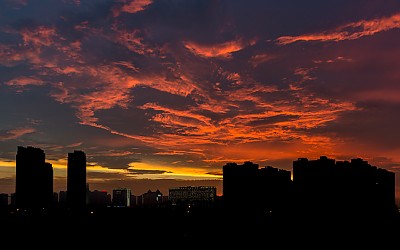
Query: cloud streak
(15, 133)
(349, 31)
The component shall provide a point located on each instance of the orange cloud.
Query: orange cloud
(223, 50)
(349, 31)
(114, 153)
(179, 113)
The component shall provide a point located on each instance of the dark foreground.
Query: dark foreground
(212, 228)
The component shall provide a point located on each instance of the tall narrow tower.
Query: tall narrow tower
(76, 180)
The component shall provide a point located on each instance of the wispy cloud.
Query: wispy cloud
(15, 133)
(349, 31)
(260, 58)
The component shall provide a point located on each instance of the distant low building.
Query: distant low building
(99, 198)
(121, 197)
(192, 195)
(151, 198)
(3, 200)
(133, 200)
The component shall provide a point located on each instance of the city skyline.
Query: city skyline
(373, 183)
(162, 94)
(316, 186)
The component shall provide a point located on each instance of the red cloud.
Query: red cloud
(217, 50)
(349, 31)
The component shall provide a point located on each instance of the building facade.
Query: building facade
(121, 197)
(192, 195)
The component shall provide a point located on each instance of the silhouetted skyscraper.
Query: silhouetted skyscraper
(76, 180)
(238, 184)
(34, 179)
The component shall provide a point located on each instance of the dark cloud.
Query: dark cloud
(143, 171)
(114, 162)
(92, 175)
(374, 125)
(273, 119)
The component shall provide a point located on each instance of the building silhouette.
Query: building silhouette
(133, 200)
(150, 198)
(3, 200)
(76, 180)
(343, 188)
(34, 179)
(62, 198)
(121, 197)
(263, 190)
(99, 198)
(238, 184)
(275, 190)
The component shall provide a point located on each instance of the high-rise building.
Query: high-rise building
(34, 179)
(343, 187)
(76, 180)
(121, 197)
(239, 182)
(249, 187)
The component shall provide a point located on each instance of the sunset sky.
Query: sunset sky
(163, 93)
